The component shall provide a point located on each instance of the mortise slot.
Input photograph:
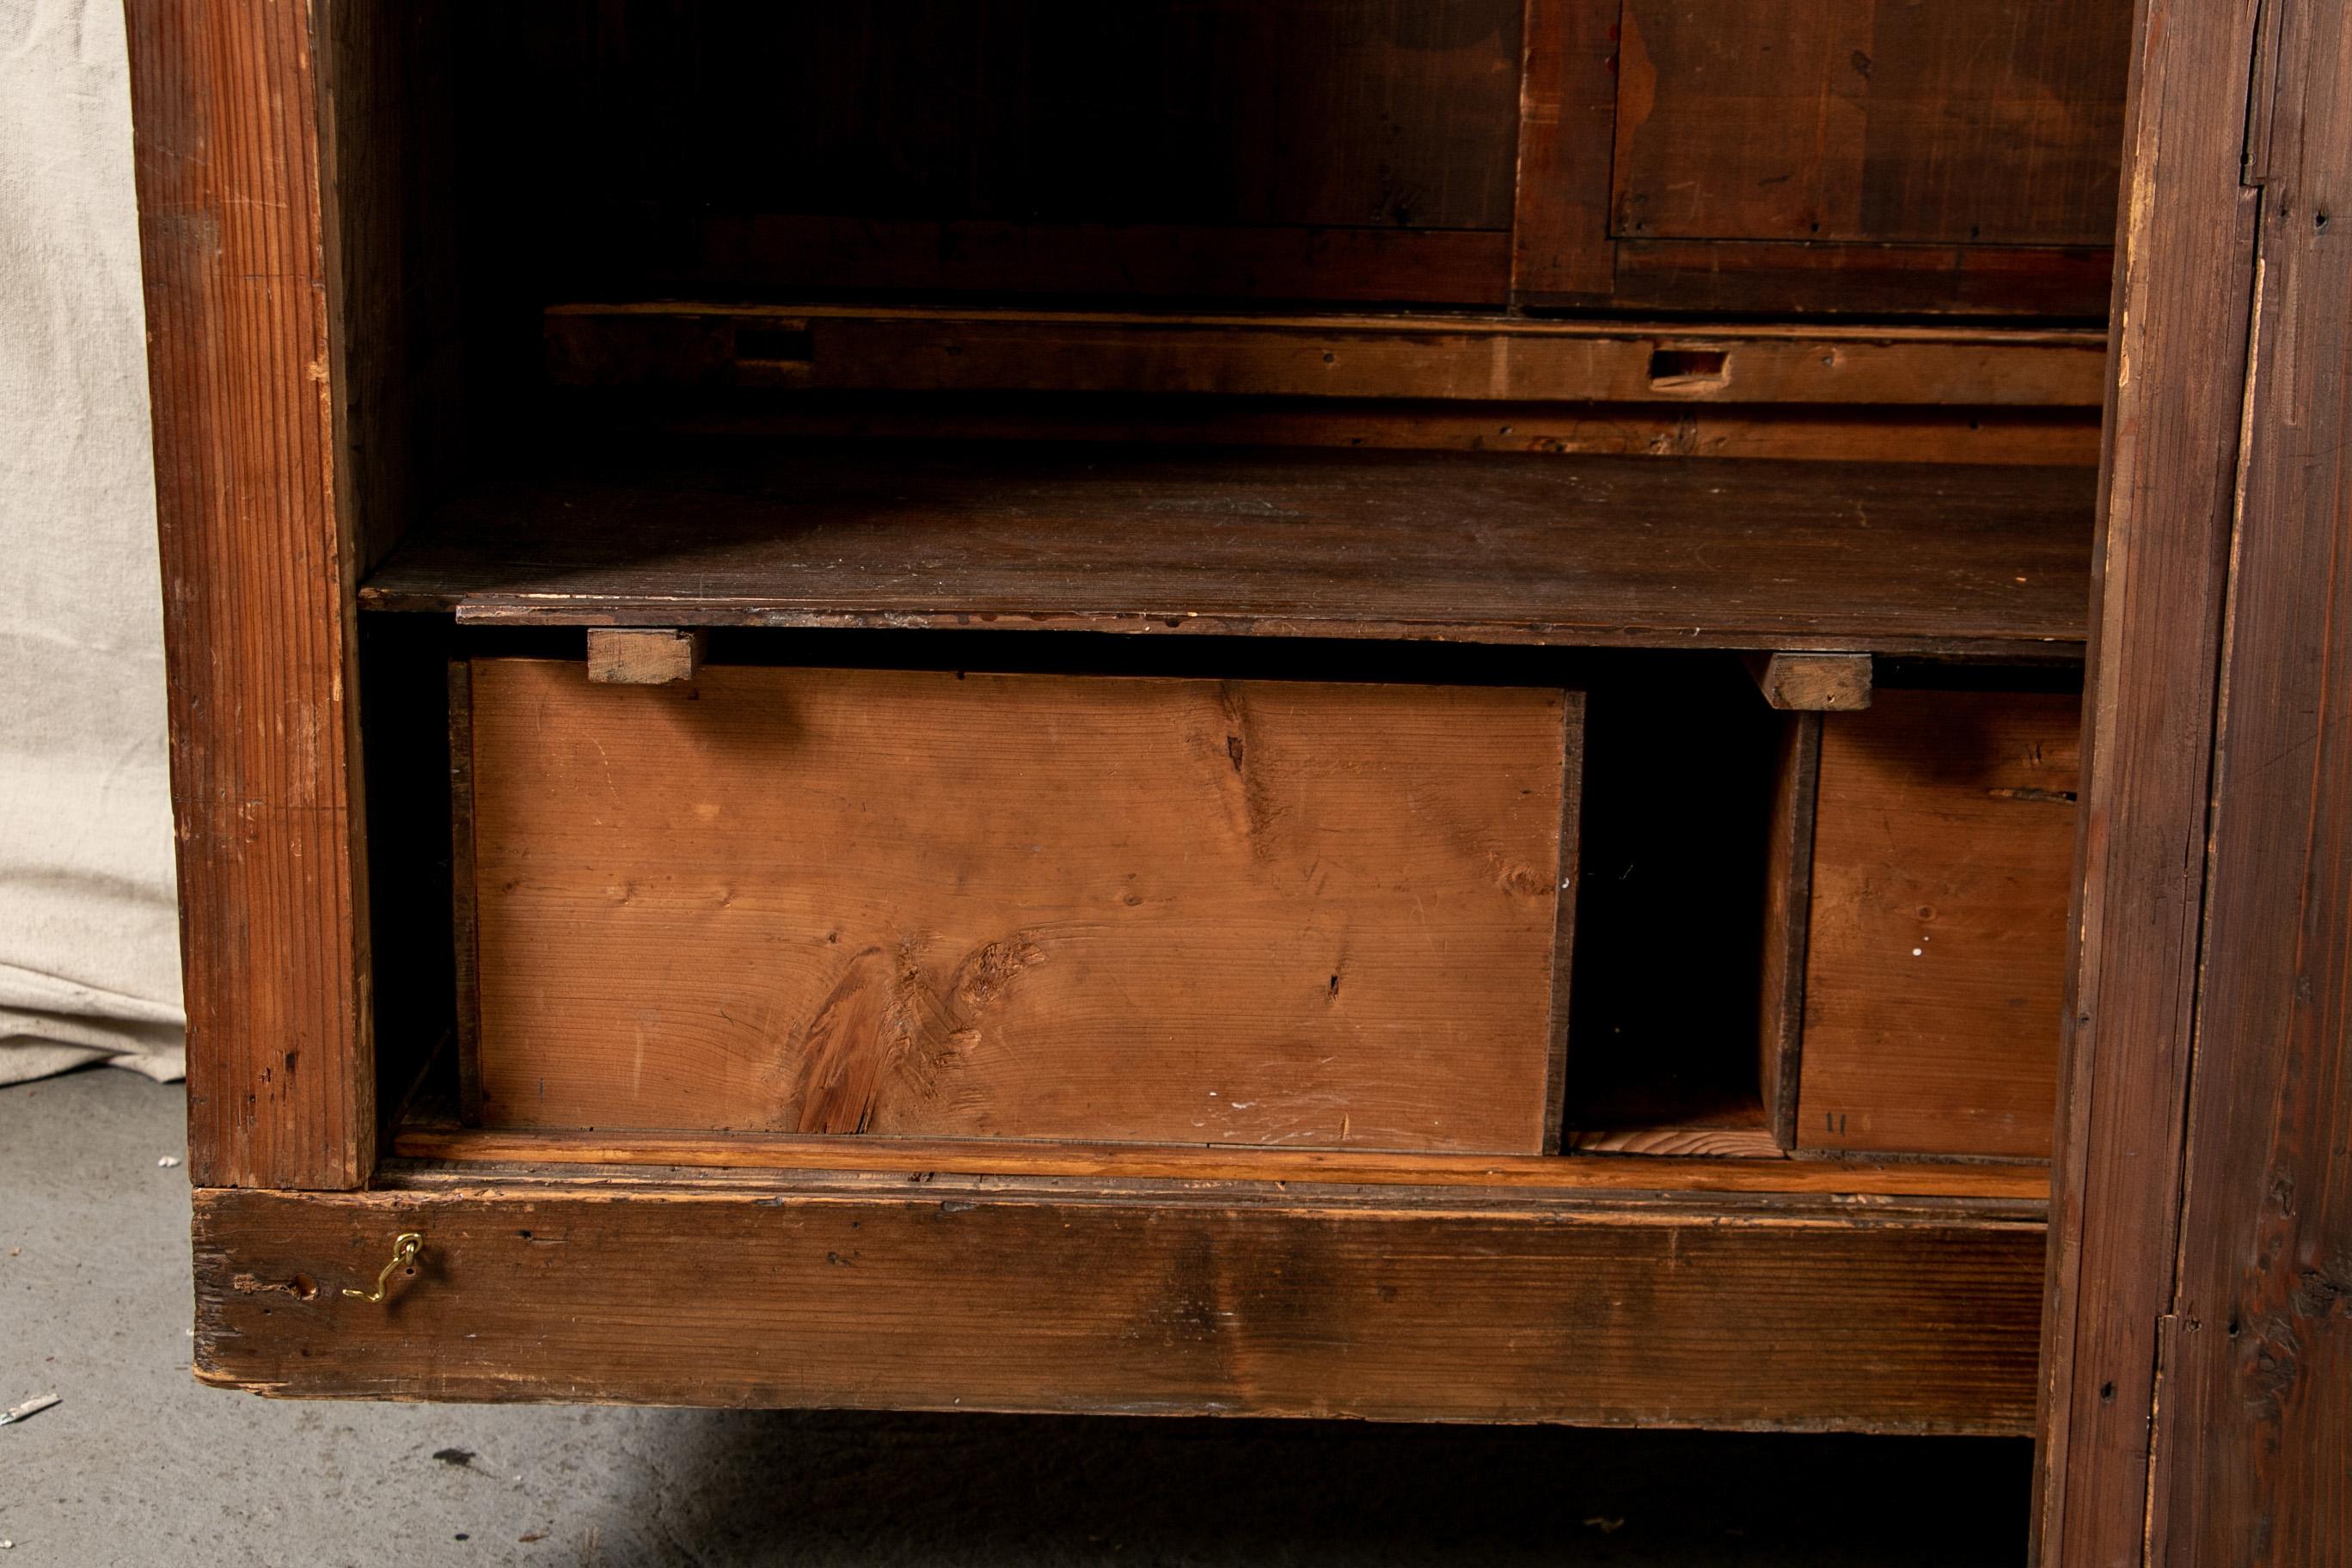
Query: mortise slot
(1689, 370)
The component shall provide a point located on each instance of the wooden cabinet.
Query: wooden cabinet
(1422, 711)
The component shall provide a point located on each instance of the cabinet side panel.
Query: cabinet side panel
(258, 595)
(2185, 278)
(2258, 1398)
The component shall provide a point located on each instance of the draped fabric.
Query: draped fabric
(89, 939)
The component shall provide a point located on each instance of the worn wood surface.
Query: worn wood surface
(1859, 278)
(2255, 1403)
(910, 904)
(642, 656)
(2167, 494)
(1787, 904)
(1968, 122)
(259, 562)
(1146, 1299)
(1943, 855)
(1813, 682)
(465, 970)
(1614, 552)
(2004, 437)
(1567, 112)
(819, 347)
(461, 1152)
(1713, 1142)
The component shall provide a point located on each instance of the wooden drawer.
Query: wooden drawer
(1943, 852)
(940, 905)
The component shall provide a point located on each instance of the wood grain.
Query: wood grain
(459, 1153)
(1814, 278)
(259, 559)
(917, 904)
(1943, 855)
(1610, 551)
(1567, 112)
(818, 347)
(1814, 682)
(1968, 121)
(1788, 905)
(2003, 437)
(1159, 1300)
(642, 656)
(2256, 1396)
(2185, 238)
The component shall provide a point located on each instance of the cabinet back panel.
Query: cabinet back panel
(1956, 121)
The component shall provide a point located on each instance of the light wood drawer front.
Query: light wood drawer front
(928, 904)
(1943, 855)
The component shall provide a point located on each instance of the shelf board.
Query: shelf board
(2020, 1182)
(1428, 357)
(1898, 558)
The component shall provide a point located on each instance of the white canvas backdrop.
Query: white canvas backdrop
(89, 963)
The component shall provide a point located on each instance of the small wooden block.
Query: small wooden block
(625, 656)
(1813, 682)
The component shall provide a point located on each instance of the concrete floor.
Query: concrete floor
(139, 1465)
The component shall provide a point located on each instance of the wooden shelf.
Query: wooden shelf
(1916, 559)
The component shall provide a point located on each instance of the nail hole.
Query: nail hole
(305, 1287)
(2106, 1391)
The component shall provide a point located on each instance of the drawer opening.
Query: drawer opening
(1732, 992)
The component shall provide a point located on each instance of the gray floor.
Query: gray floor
(139, 1465)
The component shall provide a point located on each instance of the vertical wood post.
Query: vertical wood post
(259, 574)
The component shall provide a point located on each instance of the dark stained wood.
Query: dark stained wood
(1965, 121)
(259, 563)
(1813, 682)
(464, 928)
(2256, 1397)
(815, 347)
(1567, 112)
(1467, 266)
(1858, 278)
(1151, 1297)
(1336, 113)
(1295, 149)
(1788, 902)
(2005, 438)
(387, 142)
(2186, 239)
(907, 903)
(449, 1149)
(1943, 854)
(1613, 551)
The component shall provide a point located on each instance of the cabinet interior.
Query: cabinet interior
(1605, 350)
